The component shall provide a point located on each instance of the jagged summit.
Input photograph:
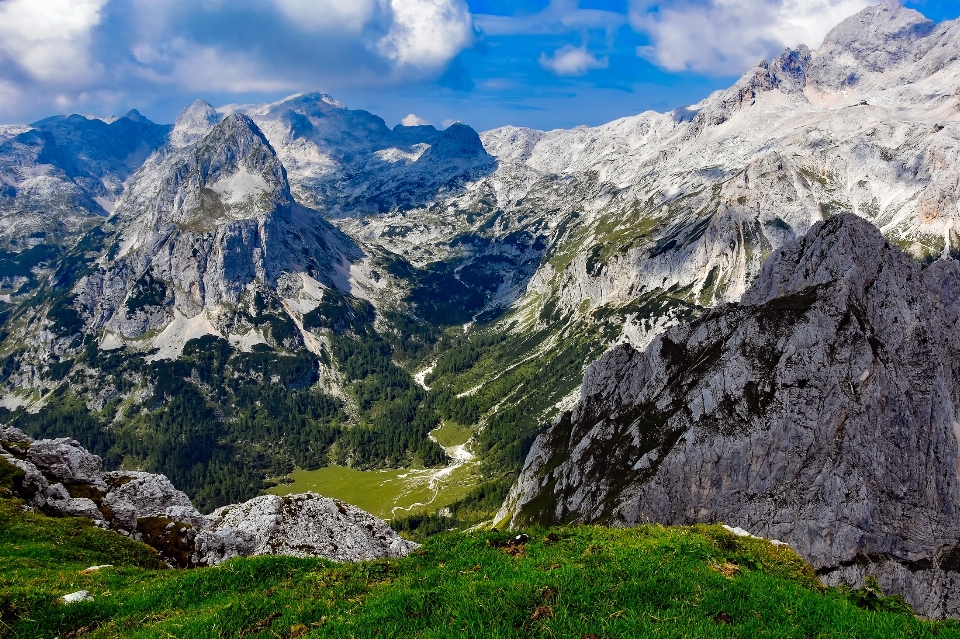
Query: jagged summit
(821, 410)
(194, 122)
(878, 39)
(231, 173)
(200, 230)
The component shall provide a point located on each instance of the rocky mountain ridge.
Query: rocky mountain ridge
(60, 475)
(820, 410)
(497, 266)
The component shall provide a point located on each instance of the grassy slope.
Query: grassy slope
(647, 581)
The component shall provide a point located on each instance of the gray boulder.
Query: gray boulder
(216, 546)
(67, 461)
(58, 498)
(135, 495)
(309, 525)
(34, 486)
(15, 435)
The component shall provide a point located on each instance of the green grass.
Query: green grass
(648, 581)
(387, 493)
(452, 434)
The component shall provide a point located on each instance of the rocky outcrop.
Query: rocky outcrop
(822, 410)
(309, 525)
(67, 461)
(60, 475)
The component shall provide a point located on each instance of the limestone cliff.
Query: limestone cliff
(821, 410)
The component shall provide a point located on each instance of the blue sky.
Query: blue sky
(538, 63)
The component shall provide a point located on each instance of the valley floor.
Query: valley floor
(648, 581)
(394, 493)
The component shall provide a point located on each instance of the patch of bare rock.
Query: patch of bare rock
(822, 410)
(60, 475)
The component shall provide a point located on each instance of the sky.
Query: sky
(539, 63)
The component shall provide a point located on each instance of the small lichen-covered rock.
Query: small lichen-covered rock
(309, 525)
(67, 461)
(11, 434)
(134, 495)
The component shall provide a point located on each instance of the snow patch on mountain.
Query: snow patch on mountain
(239, 187)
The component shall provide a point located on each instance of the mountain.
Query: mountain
(203, 230)
(59, 177)
(296, 284)
(820, 410)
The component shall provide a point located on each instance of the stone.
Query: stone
(74, 597)
(34, 485)
(216, 546)
(308, 525)
(821, 410)
(134, 495)
(67, 461)
(11, 434)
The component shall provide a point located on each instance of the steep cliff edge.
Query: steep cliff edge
(821, 410)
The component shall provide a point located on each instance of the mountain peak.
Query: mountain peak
(193, 123)
(457, 141)
(878, 39)
(136, 116)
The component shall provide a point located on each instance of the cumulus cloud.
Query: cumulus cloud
(413, 120)
(425, 33)
(65, 53)
(327, 15)
(572, 61)
(725, 37)
(49, 40)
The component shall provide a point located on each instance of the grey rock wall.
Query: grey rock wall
(822, 410)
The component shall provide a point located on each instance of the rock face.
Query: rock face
(60, 475)
(821, 410)
(203, 229)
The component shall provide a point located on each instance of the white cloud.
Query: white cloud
(413, 120)
(49, 39)
(560, 16)
(57, 54)
(327, 15)
(198, 68)
(726, 37)
(572, 61)
(427, 33)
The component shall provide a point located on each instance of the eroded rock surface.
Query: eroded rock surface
(821, 410)
(61, 475)
(309, 525)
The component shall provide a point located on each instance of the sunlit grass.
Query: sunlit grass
(648, 581)
(387, 493)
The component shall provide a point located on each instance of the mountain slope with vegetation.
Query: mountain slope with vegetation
(307, 253)
(565, 582)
